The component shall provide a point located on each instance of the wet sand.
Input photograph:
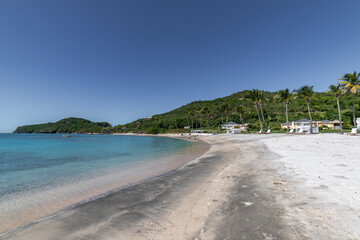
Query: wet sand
(213, 197)
(244, 187)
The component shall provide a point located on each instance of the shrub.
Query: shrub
(152, 130)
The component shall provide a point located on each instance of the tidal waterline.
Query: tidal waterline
(42, 174)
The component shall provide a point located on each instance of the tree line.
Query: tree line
(261, 109)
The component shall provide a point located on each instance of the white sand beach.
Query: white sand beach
(313, 181)
(320, 183)
(254, 186)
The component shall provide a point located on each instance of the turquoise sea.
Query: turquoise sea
(45, 173)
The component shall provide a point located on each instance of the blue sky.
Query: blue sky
(117, 61)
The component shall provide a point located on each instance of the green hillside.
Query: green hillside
(67, 125)
(211, 114)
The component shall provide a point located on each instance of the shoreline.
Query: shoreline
(179, 205)
(170, 163)
(244, 187)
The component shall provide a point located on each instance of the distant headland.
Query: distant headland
(66, 125)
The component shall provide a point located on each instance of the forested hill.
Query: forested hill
(209, 115)
(67, 125)
(239, 108)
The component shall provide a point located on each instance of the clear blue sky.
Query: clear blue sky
(117, 61)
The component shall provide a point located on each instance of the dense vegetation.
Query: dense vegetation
(210, 115)
(67, 125)
(239, 107)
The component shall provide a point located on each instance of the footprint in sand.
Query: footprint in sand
(342, 165)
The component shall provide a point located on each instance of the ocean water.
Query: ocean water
(41, 174)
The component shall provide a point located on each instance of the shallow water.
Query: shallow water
(41, 174)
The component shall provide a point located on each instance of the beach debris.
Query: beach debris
(139, 230)
(248, 204)
(268, 237)
(277, 183)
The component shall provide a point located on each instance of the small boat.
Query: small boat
(66, 135)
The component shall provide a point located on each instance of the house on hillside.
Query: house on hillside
(234, 128)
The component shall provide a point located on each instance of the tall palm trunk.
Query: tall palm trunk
(192, 122)
(227, 116)
(222, 120)
(338, 105)
(354, 110)
(287, 117)
(257, 111)
(188, 124)
(262, 114)
(308, 106)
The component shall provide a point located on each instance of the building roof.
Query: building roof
(232, 124)
(303, 120)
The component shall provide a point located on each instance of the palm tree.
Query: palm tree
(305, 92)
(284, 96)
(261, 97)
(336, 90)
(240, 111)
(192, 122)
(198, 117)
(206, 111)
(221, 111)
(254, 96)
(187, 118)
(196, 111)
(350, 82)
(225, 109)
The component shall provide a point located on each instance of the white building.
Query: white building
(304, 125)
(234, 128)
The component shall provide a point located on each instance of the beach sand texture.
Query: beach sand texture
(245, 187)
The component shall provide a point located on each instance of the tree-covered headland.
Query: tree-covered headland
(67, 125)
